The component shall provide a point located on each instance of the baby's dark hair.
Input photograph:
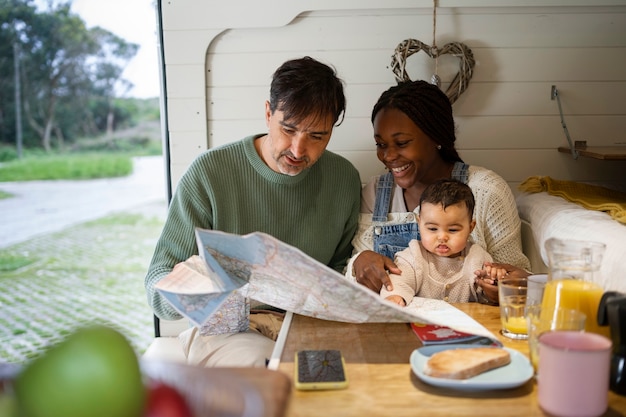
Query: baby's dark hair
(448, 192)
(429, 108)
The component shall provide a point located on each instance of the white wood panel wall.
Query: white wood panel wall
(219, 58)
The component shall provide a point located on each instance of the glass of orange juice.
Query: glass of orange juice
(512, 297)
(552, 319)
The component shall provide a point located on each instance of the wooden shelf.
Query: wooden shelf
(611, 153)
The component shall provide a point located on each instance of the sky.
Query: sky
(133, 21)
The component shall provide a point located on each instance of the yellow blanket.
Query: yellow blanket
(592, 197)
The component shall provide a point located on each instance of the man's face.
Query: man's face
(290, 148)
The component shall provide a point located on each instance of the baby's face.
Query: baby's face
(445, 232)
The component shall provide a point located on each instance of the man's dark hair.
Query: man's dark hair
(448, 192)
(429, 108)
(305, 87)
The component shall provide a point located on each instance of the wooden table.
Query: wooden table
(381, 382)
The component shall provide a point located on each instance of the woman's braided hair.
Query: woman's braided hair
(429, 108)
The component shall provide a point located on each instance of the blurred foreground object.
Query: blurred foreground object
(94, 372)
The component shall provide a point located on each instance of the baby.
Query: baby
(443, 263)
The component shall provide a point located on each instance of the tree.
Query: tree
(55, 67)
(114, 54)
(65, 67)
(15, 18)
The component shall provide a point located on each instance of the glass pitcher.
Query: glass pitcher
(573, 272)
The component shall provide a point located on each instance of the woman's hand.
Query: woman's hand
(370, 270)
(486, 291)
(486, 280)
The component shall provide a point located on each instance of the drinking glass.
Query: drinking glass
(512, 297)
(536, 285)
(540, 321)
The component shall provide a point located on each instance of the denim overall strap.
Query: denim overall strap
(460, 172)
(389, 238)
(392, 238)
(383, 197)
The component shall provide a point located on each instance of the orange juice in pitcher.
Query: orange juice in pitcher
(578, 295)
(572, 267)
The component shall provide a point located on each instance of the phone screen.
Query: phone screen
(320, 369)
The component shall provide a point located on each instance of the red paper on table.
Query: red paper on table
(432, 334)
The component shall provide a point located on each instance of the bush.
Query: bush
(135, 144)
(7, 153)
(70, 167)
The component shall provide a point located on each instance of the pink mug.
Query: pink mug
(573, 375)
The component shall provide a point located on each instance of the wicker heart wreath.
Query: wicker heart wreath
(460, 81)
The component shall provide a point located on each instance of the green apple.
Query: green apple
(94, 372)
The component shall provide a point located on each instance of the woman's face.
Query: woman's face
(404, 149)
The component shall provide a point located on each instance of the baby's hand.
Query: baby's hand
(396, 299)
(491, 273)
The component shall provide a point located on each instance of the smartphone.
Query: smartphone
(320, 370)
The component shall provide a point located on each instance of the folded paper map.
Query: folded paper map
(260, 267)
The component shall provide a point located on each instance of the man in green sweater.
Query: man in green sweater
(283, 183)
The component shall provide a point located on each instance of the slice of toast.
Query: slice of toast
(465, 363)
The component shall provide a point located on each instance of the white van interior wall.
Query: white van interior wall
(218, 75)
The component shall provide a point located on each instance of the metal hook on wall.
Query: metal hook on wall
(554, 94)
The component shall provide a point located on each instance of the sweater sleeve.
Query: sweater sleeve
(408, 284)
(364, 237)
(177, 242)
(474, 260)
(498, 226)
(352, 197)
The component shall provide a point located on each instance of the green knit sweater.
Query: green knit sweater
(231, 189)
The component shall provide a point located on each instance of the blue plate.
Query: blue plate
(516, 373)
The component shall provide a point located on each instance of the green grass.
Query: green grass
(70, 167)
(87, 158)
(87, 273)
(92, 272)
(11, 262)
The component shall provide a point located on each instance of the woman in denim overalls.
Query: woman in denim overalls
(415, 137)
